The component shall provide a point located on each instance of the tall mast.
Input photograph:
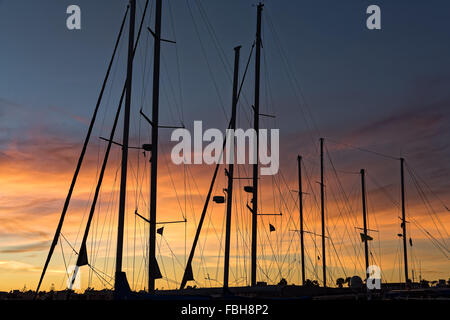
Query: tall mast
(120, 277)
(153, 266)
(322, 207)
(82, 253)
(256, 127)
(230, 172)
(80, 159)
(300, 199)
(405, 253)
(366, 242)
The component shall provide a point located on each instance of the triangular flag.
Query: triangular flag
(154, 270)
(160, 230)
(271, 228)
(189, 274)
(82, 257)
(365, 238)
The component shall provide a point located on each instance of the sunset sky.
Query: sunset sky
(324, 74)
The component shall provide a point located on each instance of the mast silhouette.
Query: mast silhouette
(230, 172)
(405, 247)
(153, 272)
(80, 159)
(300, 199)
(322, 207)
(256, 149)
(366, 237)
(82, 253)
(121, 283)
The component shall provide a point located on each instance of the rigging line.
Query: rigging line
(342, 242)
(171, 251)
(345, 201)
(139, 186)
(429, 208)
(204, 212)
(162, 260)
(287, 62)
(166, 96)
(275, 257)
(346, 217)
(221, 53)
(349, 233)
(246, 223)
(268, 89)
(293, 82)
(443, 245)
(288, 254)
(111, 216)
(220, 242)
(223, 57)
(414, 176)
(265, 258)
(99, 276)
(340, 186)
(171, 87)
(210, 28)
(111, 88)
(429, 188)
(64, 259)
(207, 61)
(283, 201)
(369, 205)
(240, 231)
(245, 71)
(70, 245)
(435, 241)
(191, 183)
(202, 264)
(82, 220)
(172, 21)
(337, 255)
(363, 149)
(100, 178)
(311, 190)
(81, 158)
(183, 214)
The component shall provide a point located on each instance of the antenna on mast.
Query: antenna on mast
(322, 207)
(254, 209)
(121, 285)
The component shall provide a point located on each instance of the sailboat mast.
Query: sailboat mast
(405, 248)
(230, 173)
(300, 199)
(322, 207)
(82, 255)
(152, 275)
(80, 159)
(366, 242)
(256, 127)
(120, 277)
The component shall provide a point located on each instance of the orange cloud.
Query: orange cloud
(36, 172)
